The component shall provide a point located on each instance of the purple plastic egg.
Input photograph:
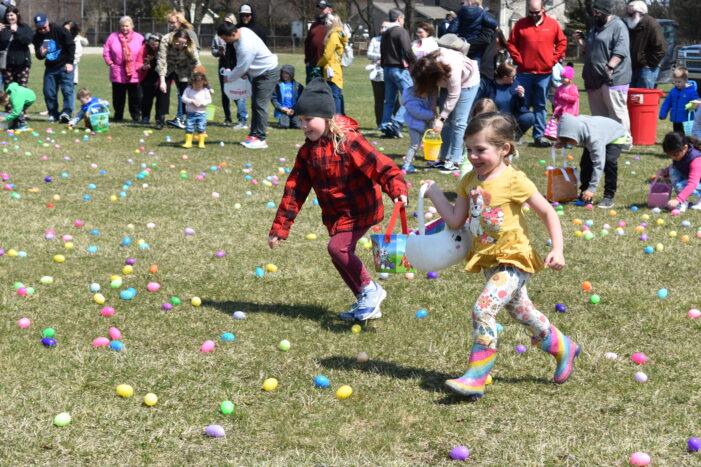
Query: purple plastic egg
(215, 431)
(48, 342)
(130, 261)
(166, 306)
(220, 254)
(560, 308)
(694, 444)
(460, 453)
(643, 237)
(521, 348)
(431, 275)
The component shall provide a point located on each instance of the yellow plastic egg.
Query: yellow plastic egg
(489, 379)
(525, 209)
(130, 226)
(125, 390)
(12, 252)
(150, 399)
(612, 212)
(578, 233)
(196, 301)
(659, 247)
(344, 392)
(140, 241)
(645, 217)
(270, 384)
(59, 258)
(311, 236)
(660, 221)
(57, 197)
(68, 245)
(98, 298)
(127, 269)
(113, 198)
(355, 329)
(271, 268)
(367, 246)
(672, 234)
(115, 277)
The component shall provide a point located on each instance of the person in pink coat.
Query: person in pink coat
(566, 97)
(120, 52)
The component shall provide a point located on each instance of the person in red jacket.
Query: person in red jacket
(348, 176)
(536, 44)
(314, 42)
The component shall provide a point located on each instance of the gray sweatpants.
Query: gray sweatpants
(262, 91)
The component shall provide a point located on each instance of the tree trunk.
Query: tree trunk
(409, 14)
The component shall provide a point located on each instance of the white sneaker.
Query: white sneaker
(241, 126)
(368, 306)
(449, 167)
(255, 143)
(682, 206)
(697, 205)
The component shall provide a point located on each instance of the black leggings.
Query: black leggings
(149, 92)
(180, 85)
(119, 96)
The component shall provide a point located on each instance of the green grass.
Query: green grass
(399, 412)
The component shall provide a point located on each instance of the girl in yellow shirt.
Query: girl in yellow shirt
(491, 196)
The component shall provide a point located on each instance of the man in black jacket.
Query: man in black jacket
(395, 57)
(55, 46)
(647, 45)
(247, 19)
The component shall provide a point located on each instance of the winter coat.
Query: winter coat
(566, 100)
(470, 21)
(114, 56)
(20, 97)
(647, 44)
(536, 48)
(517, 104)
(676, 100)
(297, 89)
(420, 111)
(181, 62)
(18, 55)
(147, 56)
(603, 43)
(333, 50)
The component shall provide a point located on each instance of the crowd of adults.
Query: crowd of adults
(467, 60)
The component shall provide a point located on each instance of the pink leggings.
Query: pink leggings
(342, 250)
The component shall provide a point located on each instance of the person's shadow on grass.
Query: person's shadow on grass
(327, 319)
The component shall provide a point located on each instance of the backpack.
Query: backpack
(347, 57)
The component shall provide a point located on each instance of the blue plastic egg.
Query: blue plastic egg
(48, 342)
(633, 208)
(127, 294)
(321, 381)
(116, 346)
(422, 313)
(86, 197)
(92, 249)
(126, 241)
(228, 337)
(560, 308)
(500, 328)
(94, 232)
(260, 272)
(662, 293)
(649, 250)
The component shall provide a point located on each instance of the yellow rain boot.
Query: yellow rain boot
(188, 140)
(203, 136)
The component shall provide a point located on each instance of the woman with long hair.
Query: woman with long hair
(330, 61)
(15, 37)
(177, 59)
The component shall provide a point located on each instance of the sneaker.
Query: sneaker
(368, 305)
(247, 140)
(449, 167)
(409, 169)
(177, 123)
(697, 205)
(50, 119)
(227, 122)
(436, 165)
(682, 207)
(541, 143)
(64, 118)
(606, 203)
(144, 121)
(241, 126)
(159, 125)
(255, 143)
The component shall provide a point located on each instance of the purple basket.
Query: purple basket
(659, 194)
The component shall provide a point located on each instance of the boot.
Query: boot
(188, 140)
(472, 383)
(564, 350)
(203, 136)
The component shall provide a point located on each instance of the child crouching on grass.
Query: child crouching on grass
(18, 99)
(196, 98)
(348, 176)
(492, 195)
(685, 171)
(88, 106)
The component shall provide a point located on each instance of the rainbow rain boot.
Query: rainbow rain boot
(472, 383)
(564, 350)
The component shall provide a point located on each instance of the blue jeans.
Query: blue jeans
(679, 182)
(337, 94)
(241, 112)
(536, 86)
(397, 80)
(53, 79)
(645, 78)
(196, 121)
(453, 131)
(525, 121)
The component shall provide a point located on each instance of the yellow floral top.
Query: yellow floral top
(498, 226)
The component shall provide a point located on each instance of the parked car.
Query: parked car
(690, 57)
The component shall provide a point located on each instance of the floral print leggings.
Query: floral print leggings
(506, 288)
(16, 75)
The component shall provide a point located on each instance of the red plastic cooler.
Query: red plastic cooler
(643, 108)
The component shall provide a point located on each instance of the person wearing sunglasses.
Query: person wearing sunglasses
(55, 46)
(536, 44)
(247, 19)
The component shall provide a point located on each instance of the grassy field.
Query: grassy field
(399, 412)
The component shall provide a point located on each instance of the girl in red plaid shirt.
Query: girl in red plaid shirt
(348, 176)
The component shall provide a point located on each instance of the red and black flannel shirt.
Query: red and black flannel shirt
(348, 184)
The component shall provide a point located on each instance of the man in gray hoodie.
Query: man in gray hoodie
(602, 139)
(607, 67)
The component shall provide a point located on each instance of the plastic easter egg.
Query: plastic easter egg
(693, 444)
(99, 298)
(125, 390)
(100, 342)
(260, 272)
(189, 231)
(228, 337)
(610, 356)
(422, 313)
(586, 286)
(48, 342)
(150, 399)
(215, 431)
(409, 275)
(344, 392)
(488, 380)
(59, 259)
(127, 294)
(639, 358)
(356, 329)
(24, 323)
(595, 299)
(649, 250)
(126, 270)
(207, 346)
(662, 293)
(220, 254)
(694, 313)
(117, 346)
(270, 384)
(560, 308)
(284, 345)
(684, 238)
(520, 348)
(47, 280)
(271, 268)
(167, 306)
(383, 275)
(588, 235)
(226, 407)
(672, 234)
(126, 241)
(362, 357)
(62, 419)
(239, 315)
(115, 333)
(500, 328)
(48, 332)
(640, 377)
(460, 453)
(321, 381)
(107, 311)
(431, 275)
(311, 236)
(237, 205)
(196, 301)
(153, 286)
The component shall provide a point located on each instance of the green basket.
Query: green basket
(211, 110)
(99, 122)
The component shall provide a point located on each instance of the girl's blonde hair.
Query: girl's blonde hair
(338, 134)
(500, 130)
(335, 24)
(483, 106)
(181, 19)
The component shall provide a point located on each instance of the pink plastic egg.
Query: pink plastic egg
(22, 291)
(78, 223)
(100, 342)
(49, 235)
(153, 286)
(639, 358)
(639, 458)
(207, 346)
(67, 238)
(107, 311)
(24, 323)
(115, 333)
(694, 313)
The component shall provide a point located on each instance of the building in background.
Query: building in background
(58, 11)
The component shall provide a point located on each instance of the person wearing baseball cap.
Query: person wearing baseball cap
(56, 47)
(247, 19)
(314, 42)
